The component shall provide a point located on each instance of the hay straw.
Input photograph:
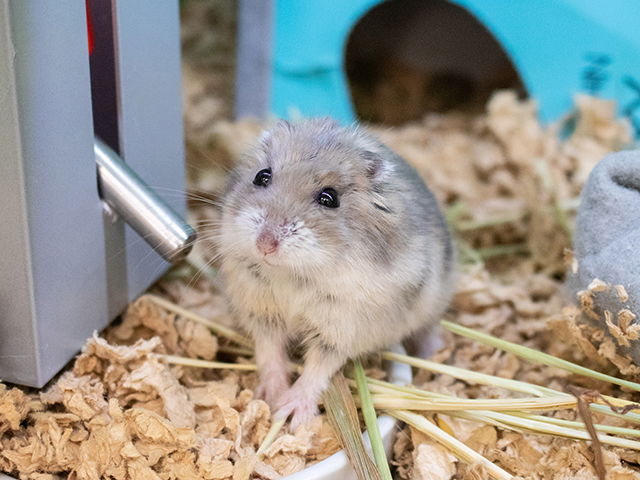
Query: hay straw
(243, 352)
(536, 426)
(342, 414)
(194, 362)
(413, 393)
(470, 376)
(371, 421)
(508, 384)
(458, 448)
(271, 435)
(213, 326)
(606, 410)
(535, 356)
(493, 404)
(519, 421)
(468, 225)
(468, 252)
(627, 432)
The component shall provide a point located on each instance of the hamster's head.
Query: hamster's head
(310, 194)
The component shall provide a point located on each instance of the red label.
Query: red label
(89, 27)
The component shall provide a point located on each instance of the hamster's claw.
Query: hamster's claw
(302, 406)
(272, 388)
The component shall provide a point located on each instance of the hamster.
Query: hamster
(331, 242)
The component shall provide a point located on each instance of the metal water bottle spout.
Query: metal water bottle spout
(132, 199)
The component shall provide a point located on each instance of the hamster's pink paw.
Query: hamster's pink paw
(302, 406)
(272, 387)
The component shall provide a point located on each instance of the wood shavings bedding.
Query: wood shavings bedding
(122, 413)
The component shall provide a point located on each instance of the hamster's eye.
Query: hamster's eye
(328, 197)
(263, 177)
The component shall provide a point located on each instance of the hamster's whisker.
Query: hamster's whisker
(180, 192)
(197, 150)
(201, 271)
(207, 223)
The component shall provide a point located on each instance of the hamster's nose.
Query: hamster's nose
(267, 242)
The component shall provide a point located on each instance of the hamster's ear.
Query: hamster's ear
(377, 169)
(373, 153)
(265, 138)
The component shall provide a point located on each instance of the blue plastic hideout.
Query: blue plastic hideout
(558, 47)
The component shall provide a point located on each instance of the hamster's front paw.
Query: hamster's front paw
(298, 403)
(272, 387)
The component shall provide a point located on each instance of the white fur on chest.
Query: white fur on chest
(350, 307)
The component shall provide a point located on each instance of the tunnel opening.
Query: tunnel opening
(406, 58)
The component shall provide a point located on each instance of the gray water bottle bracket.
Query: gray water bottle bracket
(72, 259)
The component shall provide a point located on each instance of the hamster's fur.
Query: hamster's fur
(339, 280)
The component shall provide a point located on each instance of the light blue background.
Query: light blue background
(547, 40)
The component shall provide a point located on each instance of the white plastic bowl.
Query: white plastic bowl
(337, 466)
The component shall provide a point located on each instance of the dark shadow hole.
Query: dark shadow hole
(405, 58)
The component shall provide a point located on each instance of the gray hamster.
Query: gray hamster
(331, 242)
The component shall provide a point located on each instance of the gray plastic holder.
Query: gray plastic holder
(66, 268)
